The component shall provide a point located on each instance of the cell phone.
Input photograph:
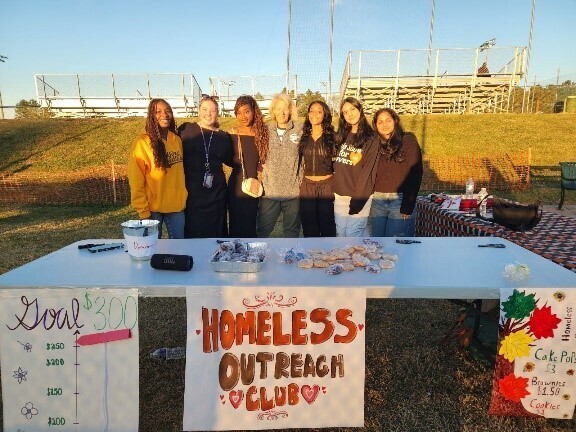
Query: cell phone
(106, 247)
(406, 241)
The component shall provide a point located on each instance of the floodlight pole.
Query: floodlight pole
(329, 85)
(431, 34)
(228, 84)
(528, 53)
(326, 86)
(288, 48)
(486, 46)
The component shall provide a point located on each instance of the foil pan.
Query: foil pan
(240, 267)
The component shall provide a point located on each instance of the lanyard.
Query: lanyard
(206, 148)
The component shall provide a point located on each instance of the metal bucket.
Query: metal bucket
(141, 238)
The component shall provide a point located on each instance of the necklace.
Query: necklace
(208, 176)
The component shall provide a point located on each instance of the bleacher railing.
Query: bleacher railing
(115, 95)
(432, 65)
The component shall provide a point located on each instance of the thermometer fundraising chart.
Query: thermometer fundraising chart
(69, 359)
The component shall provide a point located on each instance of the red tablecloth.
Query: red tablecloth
(553, 238)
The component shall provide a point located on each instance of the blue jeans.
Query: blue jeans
(174, 224)
(268, 212)
(386, 219)
(350, 225)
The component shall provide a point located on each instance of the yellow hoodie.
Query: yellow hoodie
(152, 189)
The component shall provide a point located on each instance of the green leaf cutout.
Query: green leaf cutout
(519, 305)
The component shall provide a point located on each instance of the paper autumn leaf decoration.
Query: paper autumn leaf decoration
(543, 322)
(513, 388)
(516, 344)
(519, 305)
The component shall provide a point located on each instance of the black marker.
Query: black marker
(89, 245)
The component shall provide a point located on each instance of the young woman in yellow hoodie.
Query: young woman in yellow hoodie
(156, 172)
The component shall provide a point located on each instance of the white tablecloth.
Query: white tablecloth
(439, 267)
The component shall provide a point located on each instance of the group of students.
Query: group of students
(350, 182)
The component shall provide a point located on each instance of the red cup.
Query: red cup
(468, 204)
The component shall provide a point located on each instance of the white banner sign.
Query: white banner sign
(69, 360)
(271, 359)
(536, 359)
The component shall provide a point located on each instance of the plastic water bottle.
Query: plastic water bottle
(469, 188)
(169, 353)
(483, 204)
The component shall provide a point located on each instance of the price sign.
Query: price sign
(69, 359)
(536, 360)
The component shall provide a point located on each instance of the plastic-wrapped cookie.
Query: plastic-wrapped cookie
(359, 260)
(386, 264)
(359, 248)
(320, 264)
(390, 257)
(373, 255)
(330, 258)
(306, 263)
(351, 250)
(316, 256)
(340, 254)
(347, 266)
(316, 251)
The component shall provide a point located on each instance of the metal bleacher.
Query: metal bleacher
(109, 95)
(409, 80)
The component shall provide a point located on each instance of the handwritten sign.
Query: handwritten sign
(69, 359)
(536, 361)
(269, 359)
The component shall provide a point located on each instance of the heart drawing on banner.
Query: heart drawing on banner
(222, 399)
(360, 326)
(310, 393)
(355, 157)
(236, 398)
(198, 331)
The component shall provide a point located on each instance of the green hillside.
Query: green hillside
(71, 144)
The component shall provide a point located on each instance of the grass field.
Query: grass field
(67, 145)
(412, 382)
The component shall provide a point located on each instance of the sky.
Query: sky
(223, 38)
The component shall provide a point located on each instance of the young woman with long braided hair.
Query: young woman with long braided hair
(156, 173)
(250, 144)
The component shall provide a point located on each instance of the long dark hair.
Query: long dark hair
(153, 132)
(328, 138)
(260, 128)
(392, 147)
(364, 133)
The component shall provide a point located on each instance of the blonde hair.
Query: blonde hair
(283, 97)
